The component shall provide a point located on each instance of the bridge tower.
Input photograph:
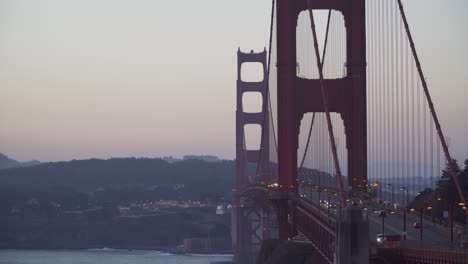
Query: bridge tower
(250, 219)
(297, 96)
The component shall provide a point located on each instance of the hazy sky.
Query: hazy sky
(114, 78)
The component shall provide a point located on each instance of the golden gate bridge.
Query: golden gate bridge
(348, 129)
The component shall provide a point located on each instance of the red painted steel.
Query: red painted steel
(244, 235)
(326, 108)
(320, 231)
(288, 120)
(297, 96)
(347, 96)
(429, 256)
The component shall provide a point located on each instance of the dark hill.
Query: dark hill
(122, 180)
(76, 203)
(6, 162)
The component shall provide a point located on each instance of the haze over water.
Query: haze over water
(103, 256)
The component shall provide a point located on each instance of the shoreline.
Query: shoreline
(173, 251)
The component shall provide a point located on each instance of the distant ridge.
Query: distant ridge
(7, 163)
(207, 158)
(198, 177)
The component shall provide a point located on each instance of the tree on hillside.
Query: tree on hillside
(448, 192)
(464, 178)
(446, 186)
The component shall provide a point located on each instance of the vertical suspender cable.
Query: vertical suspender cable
(317, 149)
(372, 69)
(408, 146)
(431, 150)
(320, 150)
(396, 146)
(439, 173)
(374, 56)
(402, 112)
(418, 114)
(384, 93)
(369, 94)
(386, 99)
(307, 143)
(413, 125)
(397, 108)
(431, 107)
(400, 107)
(425, 144)
(395, 87)
(325, 103)
(402, 116)
(322, 62)
(376, 98)
(377, 79)
(265, 106)
(392, 98)
(381, 96)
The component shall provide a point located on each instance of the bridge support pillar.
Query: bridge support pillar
(297, 96)
(352, 243)
(249, 219)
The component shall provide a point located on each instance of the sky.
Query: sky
(150, 78)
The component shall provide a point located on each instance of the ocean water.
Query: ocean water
(103, 256)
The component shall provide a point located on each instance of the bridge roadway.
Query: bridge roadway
(393, 222)
(316, 224)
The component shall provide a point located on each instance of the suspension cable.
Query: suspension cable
(308, 142)
(432, 109)
(265, 104)
(268, 74)
(313, 116)
(325, 103)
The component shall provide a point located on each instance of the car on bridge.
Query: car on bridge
(364, 202)
(380, 238)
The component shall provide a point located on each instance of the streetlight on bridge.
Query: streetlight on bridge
(393, 198)
(405, 189)
(376, 185)
(319, 190)
(424, 208)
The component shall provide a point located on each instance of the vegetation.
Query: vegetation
(80, 183)
(446, 194)
(75, 204)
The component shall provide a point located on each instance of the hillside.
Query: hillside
(6, 162)
(119, 180)
(75, 204)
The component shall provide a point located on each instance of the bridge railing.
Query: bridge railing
(427, 255)
(319, 230)
(318, 212)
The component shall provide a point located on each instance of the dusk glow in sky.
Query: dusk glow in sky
(115, 78)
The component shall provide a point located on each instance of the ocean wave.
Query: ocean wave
(164, 253)
(104, 249)
(212, 255)
(108, 249)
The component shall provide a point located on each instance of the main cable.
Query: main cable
(265, 105)
(432, 109)
(325, 103)
(313, 116)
